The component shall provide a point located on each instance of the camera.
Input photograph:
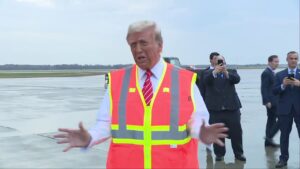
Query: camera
(220, 62)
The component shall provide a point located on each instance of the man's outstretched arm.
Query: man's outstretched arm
(82, 138)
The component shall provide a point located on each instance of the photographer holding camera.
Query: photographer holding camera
(224, 105)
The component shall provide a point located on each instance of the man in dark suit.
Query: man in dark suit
(200, 82)
(287, 86)
(270, 100)
(201, 85)
(224, 105)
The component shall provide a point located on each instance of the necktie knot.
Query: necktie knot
(220, 75)
(148, 73)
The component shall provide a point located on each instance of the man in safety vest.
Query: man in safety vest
(152, 111)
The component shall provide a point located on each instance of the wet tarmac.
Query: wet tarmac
(31, 110)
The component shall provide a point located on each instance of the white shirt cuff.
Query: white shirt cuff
(282, 87)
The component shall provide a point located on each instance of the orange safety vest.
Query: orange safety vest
(153, 136)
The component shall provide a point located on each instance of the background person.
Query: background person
(270, 100)
(224, 106)
(287, 86)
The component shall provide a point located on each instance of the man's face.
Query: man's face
(214, 61)
(144, 48)
(292, 60)
(274, 64)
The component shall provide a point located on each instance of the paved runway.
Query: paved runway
(31, 110)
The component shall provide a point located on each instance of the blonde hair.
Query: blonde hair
(142, 25)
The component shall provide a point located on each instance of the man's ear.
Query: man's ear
(160, 45)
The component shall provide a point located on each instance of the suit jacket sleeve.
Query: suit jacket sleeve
(234, 77)
(277, 86)
(265, 83)
(200, 82)
(208, 77)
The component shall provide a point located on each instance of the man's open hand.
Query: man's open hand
(75, 138)
(213, 133)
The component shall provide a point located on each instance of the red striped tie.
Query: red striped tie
(147, 88)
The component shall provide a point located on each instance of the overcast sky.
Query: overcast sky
(94, 31)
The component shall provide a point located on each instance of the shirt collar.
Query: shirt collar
(157, 70)
(273, 70)
(295, 70)
(211, 67)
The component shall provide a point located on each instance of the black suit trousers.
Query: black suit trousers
(272, 126)
(232, 120)
(285, 123)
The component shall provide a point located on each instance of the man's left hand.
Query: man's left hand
(296, 82)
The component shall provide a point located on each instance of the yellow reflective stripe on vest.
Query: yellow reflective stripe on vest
(182, 128)
(147, 137)
(153, 142)
(153, 128)
(168, 142)
(192, 91)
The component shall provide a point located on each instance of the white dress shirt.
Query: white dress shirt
(102, 127)
(294, 70)
(273, 70)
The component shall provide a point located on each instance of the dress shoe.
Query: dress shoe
(219, 158)
(281, 164)
(240, 157)
(271, 144)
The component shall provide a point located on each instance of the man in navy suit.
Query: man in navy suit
(270, 100)
(287, 86)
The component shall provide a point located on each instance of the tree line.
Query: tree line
(105, 67)
(60, 67)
